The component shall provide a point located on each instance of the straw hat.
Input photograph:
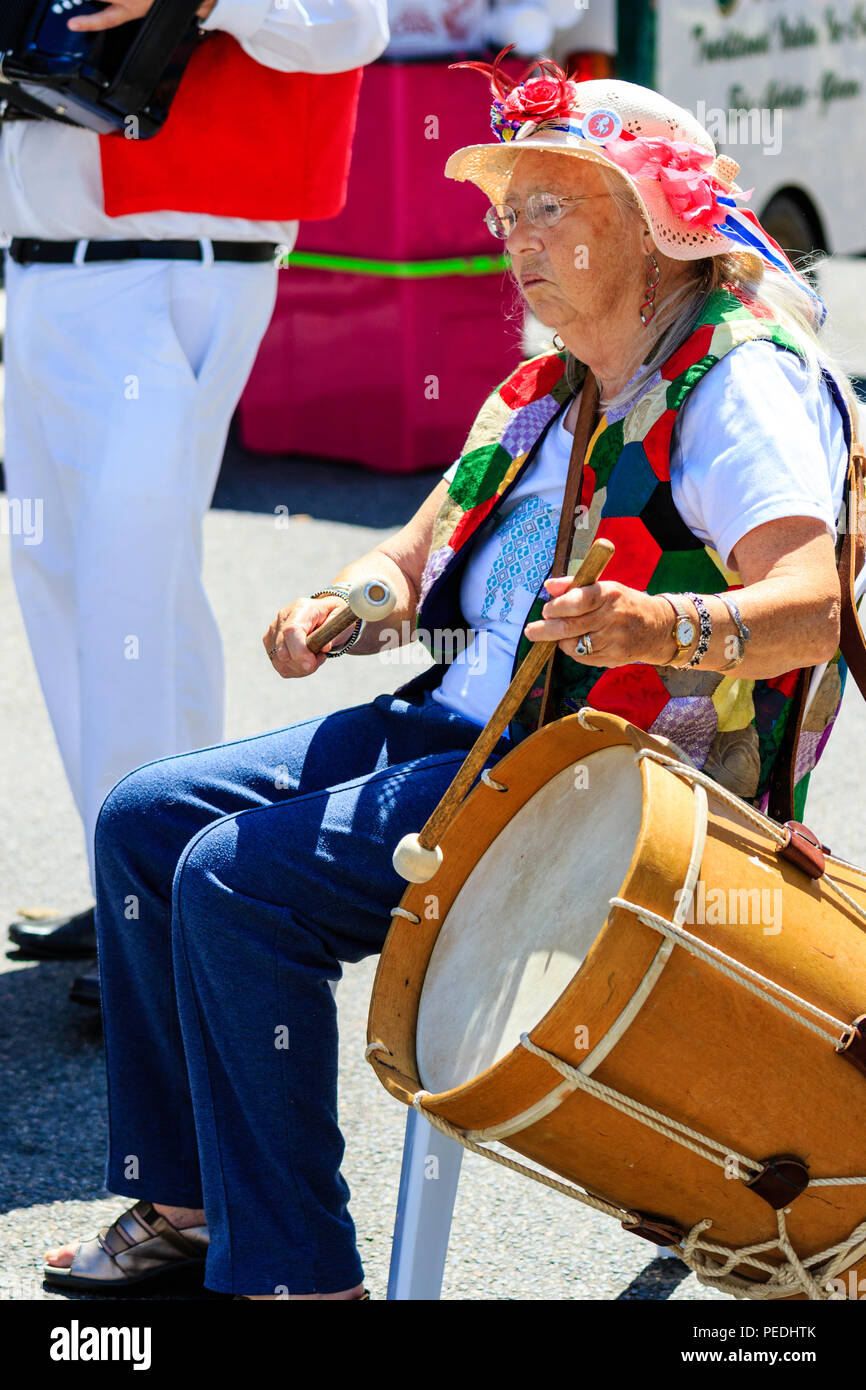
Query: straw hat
(660, 149)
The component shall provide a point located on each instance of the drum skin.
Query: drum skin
(700, 1048)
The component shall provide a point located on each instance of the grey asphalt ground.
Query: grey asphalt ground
(510, 1239)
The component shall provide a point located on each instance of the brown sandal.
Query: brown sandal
(140, 1247)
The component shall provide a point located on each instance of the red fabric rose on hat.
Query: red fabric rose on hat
(541, 99)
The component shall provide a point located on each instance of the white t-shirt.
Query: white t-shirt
(755, 441)
(502, 577)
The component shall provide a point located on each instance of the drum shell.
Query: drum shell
(701, 1048)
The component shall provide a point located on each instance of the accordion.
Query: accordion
(114, 79)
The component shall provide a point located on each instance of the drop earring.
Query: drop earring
(558, 343)
(647, 309)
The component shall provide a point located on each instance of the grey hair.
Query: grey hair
(787, 303)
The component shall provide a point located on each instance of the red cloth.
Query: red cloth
(636, 551)
(787, 682)
(635, 692)
(241, 140)
(532, 381)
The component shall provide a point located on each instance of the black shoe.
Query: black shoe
(85, 990)
(60, 938)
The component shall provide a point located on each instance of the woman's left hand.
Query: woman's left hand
(623, 625)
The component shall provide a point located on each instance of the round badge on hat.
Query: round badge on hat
(601, 125)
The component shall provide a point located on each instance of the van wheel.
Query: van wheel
(791, 225)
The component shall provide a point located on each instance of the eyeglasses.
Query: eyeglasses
(542, 210)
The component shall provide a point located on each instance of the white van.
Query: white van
(781, 87)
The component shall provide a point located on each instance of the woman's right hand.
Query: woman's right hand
(287, 635)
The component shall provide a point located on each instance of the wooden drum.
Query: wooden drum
(623, 974)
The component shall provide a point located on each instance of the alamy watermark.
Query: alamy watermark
(407, 644)
(743, 125)
(22, 516)
(734, 907)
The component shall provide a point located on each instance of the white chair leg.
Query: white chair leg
(425, 1202)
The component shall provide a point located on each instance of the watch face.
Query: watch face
(685, 632)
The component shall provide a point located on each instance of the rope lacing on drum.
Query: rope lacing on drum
(738, 972)
(404, 912)
(713, 1264)
(711, 1149)
(743, 975)
(567, 1189)
(749, 813)
(490, 782)
(814, 1276)
(700, 1144)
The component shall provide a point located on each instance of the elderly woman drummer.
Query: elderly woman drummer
(716, 468)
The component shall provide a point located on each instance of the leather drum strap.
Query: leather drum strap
(583, 432)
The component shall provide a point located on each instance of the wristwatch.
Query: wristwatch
(684, 630)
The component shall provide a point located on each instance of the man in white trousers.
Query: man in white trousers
(137, 296)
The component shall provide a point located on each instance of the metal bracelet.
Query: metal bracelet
(341, 591)
(706, 628)
(743, 633)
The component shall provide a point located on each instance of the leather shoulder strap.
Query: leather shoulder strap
(780, 802)
(853, 640)
(583, 432)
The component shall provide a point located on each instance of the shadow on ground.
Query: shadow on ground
(657, 1282)
(52, 1088)
(328, 491)
(52, 1098)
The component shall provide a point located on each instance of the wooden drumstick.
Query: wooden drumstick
(417, 857)
(370, 599)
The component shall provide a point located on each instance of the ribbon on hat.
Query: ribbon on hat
(742, 226)
(698, 197)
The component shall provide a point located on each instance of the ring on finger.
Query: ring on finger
(272, 652)
(583, 646)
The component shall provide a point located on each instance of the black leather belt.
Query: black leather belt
(28, 251)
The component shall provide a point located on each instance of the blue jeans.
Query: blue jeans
(231, 884)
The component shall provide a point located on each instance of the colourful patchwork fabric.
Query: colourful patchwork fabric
(731, 727)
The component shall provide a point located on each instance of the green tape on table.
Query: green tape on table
(398, 270)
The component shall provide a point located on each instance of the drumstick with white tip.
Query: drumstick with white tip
(370, 599)
(418, 856)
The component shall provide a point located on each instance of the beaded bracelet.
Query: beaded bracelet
(341, 591)
(706, 628)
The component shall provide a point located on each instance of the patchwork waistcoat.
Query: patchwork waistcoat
(730, 726)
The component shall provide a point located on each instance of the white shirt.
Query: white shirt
(502, 577)
(50, 174)
(754, 442)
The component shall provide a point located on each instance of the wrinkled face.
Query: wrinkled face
(591, 261)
